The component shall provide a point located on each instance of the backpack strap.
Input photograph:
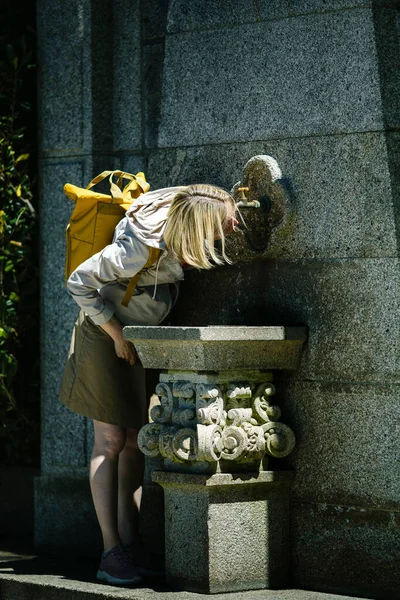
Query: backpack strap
(136, 181)
(121, 175)
(154, 253)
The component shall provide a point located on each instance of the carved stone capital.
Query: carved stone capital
(235, 423)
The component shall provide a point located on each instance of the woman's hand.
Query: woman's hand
(123, 348)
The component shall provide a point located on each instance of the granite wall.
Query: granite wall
(189, 91)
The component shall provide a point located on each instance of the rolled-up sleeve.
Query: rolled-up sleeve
(120, 260)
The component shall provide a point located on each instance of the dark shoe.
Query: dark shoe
(117, 569)
(147, 563)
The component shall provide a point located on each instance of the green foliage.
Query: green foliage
(18, 272)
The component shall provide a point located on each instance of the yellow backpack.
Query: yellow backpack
(95, 216)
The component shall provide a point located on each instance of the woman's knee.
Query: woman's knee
(109, 440)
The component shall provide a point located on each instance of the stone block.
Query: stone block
(132, 163)
(347, 442)
(63, 75)
(152, 503)
(65, 519)
(63, 433)
(16, 503)
(300, 7)
(265, 9)
(239, 528)
(154, 19)
(311, 75)
(350, 307)
(97, 163)
(152, 524)
(393, 149)
(197, 14)
(216, 348)
(126, 76)
(346, 549)
(340, 192)
(102, 86)
(354, 306)
(387, 36)
(341, 198)
(152, 65)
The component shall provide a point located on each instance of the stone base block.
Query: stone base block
(152, 518)
(226, 532)
(65, 518)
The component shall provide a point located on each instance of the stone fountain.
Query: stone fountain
(213, 431)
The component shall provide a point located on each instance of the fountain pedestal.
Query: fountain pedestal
(226, 532)
(226, 515)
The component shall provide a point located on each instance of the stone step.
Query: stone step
(27, 576)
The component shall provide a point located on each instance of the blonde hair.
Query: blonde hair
(197, 215)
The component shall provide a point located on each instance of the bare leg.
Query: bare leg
(109, 441)
(130, 479)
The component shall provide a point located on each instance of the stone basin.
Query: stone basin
(217, 347)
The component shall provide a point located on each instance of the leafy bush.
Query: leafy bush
(19, 345)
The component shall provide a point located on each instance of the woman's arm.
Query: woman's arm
(120, 260)
(123, 348)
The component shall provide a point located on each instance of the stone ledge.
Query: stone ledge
(217, 347)
(47, 589)
(217, 377)
(53, 578)
(216, 333)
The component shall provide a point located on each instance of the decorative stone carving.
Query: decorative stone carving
(239, 416)
(166, 441)
(185, 444)
(209, 423)
(209, 404)
(210, 443)
(234, 442)
(149, 439)
(262, 409)
(163, 412)
(279, 439)
(255, 449)
(184, 411)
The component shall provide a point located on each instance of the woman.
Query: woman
(103, 379)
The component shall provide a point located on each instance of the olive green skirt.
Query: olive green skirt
(98, 384)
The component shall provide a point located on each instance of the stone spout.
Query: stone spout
(260, 184)
(261, 187)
